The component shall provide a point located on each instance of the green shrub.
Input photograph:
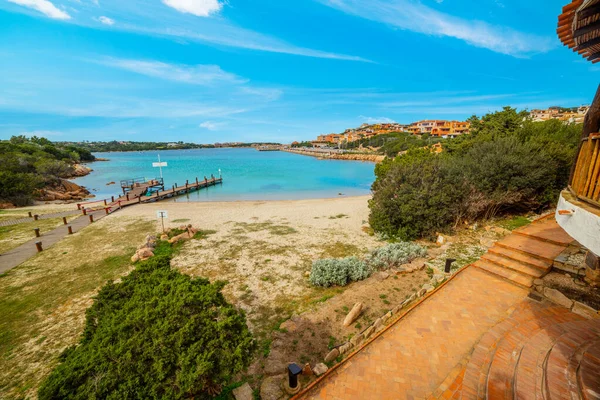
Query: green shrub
(338, 272)
(395, 254)
(507, 165)
(156, 334)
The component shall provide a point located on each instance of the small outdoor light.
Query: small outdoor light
(449, 262)
(293, 371)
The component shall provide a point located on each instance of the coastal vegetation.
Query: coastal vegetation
(158, 334)
(114, 145)
(507, 165)
(390, 144)
(30, 164)
(342, 271)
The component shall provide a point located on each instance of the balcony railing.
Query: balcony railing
(586, 177)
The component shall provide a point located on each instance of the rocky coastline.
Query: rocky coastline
(64, 190)
(376, 158)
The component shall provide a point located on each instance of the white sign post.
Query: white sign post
(162, 214)
(159, 165)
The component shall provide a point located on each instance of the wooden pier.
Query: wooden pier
(140, 193)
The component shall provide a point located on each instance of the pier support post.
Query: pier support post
(38, 246)
(139, 199)
(107, 210)
(104, 201)
(37, 232)
(186, 183)
(127, 196)
(70, 230)
(112, 199)
(83, 211)
(196, 181)
(65, 220)
(91, 218)
(29, 213)
(36, 217)
(173, 188)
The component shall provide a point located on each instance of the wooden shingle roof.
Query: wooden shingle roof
(579, 28)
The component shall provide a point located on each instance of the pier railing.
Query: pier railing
(585, 183)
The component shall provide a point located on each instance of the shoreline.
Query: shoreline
(327, 155)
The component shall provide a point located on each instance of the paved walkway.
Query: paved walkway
(412, 358)
(20, 254)
(43, 216)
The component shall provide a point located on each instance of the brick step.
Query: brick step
(532, 380)
(547, 231)
(532, 247)
(514, 265)
(504, 273)
(512, 349)
(521, 257)
(563, 363)
(474, 382)
(589, 372)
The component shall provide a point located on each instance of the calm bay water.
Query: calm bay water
(248, 174)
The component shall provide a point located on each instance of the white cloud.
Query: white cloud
(200, 8)
(41, 133)
(211, 125)
(416, 17)
(43, 6)
(192, 74)
(106, 20)
(376, 120)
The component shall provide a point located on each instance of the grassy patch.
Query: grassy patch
(273, 229)
(47, 297)
(513, 222)
(339, 216)
(340, 250)
(181, 220)
(15, 235)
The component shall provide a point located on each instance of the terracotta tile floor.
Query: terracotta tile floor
(412, 358)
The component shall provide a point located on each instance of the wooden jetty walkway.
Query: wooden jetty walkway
(135, 191)
(139, 191)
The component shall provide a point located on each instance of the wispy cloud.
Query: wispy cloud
(106, 20)
(43, 6)
(417, 17)
(200, 8)
(211, 125)
(191, 74)
(178, 20)
(376, 120)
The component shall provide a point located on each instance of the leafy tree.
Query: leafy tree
(509, 164)
(156, 334)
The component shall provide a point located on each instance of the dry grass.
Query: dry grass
(43, 301)
(15, 235)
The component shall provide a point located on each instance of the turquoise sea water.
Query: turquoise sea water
(248, 174)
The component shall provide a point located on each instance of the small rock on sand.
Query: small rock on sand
(353, 314)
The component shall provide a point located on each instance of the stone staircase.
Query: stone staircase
(527, 254)
(542, 352)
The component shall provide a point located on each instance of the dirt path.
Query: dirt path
(20, 254)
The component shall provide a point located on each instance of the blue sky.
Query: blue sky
(276, 70)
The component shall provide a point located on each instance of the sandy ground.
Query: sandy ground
(265, 250)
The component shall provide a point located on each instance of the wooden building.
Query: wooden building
(578, 211)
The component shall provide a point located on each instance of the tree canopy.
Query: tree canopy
(507, 164)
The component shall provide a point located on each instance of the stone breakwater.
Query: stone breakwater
(376, 158)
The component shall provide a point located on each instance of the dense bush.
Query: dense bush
(414, 196)
(156, 334)
(508, 164)
(29, 164)
(395, 254)
(338, 272)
